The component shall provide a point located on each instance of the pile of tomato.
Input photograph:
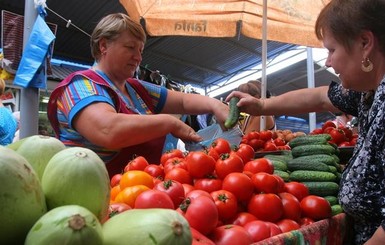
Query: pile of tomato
(226, 195)
(266, 140)
(341, 135)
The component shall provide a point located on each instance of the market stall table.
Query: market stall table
(333, 231)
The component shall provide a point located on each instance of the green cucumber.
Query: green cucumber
(318, 139)
(333, 200)
(234, 113)
(310, 175)
(325, 158)
(322, 189)
(284, 175)
(279, 165)
(306, 150)
(336, 209)
(283, 157)
(300, 164)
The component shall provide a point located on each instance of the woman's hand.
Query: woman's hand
(247, 103)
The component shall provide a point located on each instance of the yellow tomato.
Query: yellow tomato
(136, 177)
(129, 194)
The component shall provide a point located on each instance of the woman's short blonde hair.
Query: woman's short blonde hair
(110, 27)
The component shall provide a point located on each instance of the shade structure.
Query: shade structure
(288, 21)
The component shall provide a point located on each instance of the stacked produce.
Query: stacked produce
(316, 164)
(221, 195)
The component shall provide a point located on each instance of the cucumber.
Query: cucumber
(333, 200)
(333, 169)
(311, 175)
(336, 209)
(322, 188)
(325, 158)
(234, 113)
(300, 164)
(284, 175)
(279, 165)
(306, 150)
(319, 139)
(283, 158)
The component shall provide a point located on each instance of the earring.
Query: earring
(366, 65)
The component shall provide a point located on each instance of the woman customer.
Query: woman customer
(105, 110)
(8, 124)
(353, 31)
(253, 123)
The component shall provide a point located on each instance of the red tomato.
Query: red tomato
(208, 184)
(154, 199)
(344, 144)
(253, 135)
(242, 218)
(291, 206)
(266, 135)
(228, 163)
(353, 141)
(281, 183)
(259, 165)
(221, 145)
(174, 189)
(155, 171)
(115, 180)
(279, 142)
(257, 144)
(138, 163)
(201, 213)
(170, 154)
(316, 207)
(337, 135)
(187, 188)
(305, 221)
(266, 207)
(199, 164)
(240, 185)
(265, 183)
(327, 124)
(258, 230)
(270, 146)
(179, 174)
(284, 148)
(287, 225)
(328, 129)
(116, 208)
(200, 239)
(212, 153)
(317, 131)
(348, 132)
(298, 189)
(231, 234)
(274, 229)
(246, 152)
(174, 162)
(197, 193)
(226, 203)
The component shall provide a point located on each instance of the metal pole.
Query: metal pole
(29, 102)
(264, 58)
(311, 84)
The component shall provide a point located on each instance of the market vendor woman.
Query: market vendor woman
(353, 31)
(107, 111)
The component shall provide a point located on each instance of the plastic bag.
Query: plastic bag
(213, 132)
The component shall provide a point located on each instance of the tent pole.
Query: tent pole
(29, 101)
(264, 58)
(311, 84)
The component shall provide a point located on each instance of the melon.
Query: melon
(77, 176)
(66, 225)
(38, 150)
(22, 200)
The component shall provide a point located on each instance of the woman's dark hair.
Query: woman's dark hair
(346, 19)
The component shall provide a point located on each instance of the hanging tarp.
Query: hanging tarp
(288, 21)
